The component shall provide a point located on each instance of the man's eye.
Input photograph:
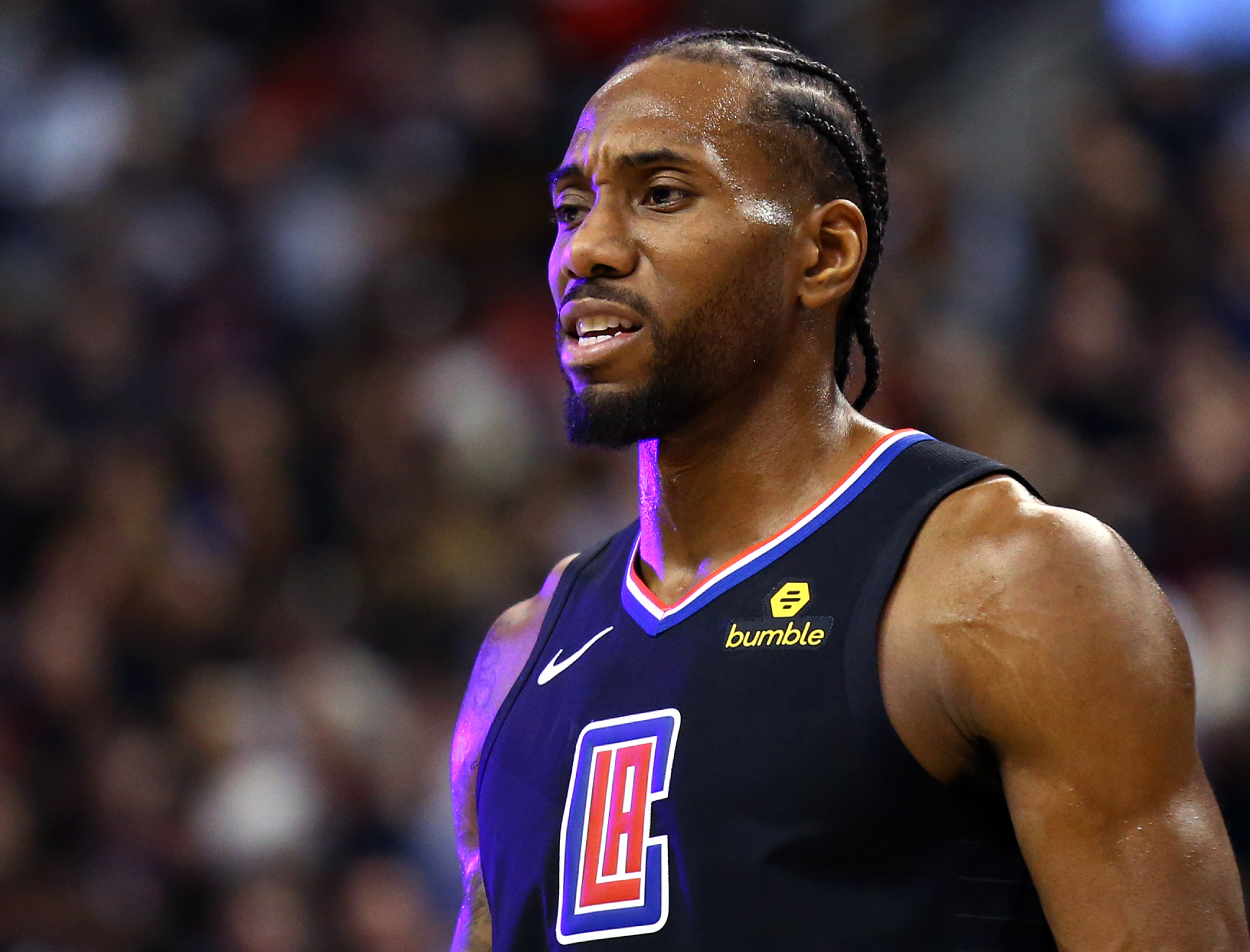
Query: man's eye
(568, 214)
(664, 195)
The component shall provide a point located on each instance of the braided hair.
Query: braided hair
(847, 160)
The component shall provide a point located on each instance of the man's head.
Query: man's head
(720, 195)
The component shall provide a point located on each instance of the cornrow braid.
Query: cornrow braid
(809, 96)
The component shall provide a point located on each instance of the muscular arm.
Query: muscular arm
(1035, 632)
(503, 654)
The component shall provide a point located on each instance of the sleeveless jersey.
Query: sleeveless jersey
(721, 774)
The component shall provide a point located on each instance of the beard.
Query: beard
(692, 365)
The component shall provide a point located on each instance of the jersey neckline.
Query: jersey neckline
(654, 617)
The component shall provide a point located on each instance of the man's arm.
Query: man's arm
(503, 654)
(1036, 632)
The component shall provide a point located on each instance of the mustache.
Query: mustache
(603, 289)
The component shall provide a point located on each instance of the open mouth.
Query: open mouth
(600, 327)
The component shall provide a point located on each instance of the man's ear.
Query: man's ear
(835, 240)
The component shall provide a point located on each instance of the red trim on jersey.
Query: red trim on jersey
(650, 596)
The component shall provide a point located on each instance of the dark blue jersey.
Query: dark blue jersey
(720, 774)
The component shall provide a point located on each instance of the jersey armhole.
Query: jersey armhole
(556, 606)
(881, 742)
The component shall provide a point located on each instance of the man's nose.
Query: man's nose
(601, 245)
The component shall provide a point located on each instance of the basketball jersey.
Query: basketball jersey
(721, 774)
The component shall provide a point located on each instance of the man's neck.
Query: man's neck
(733, 479)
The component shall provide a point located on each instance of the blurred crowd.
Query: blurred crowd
(280, 416)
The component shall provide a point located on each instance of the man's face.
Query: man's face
(668, 269)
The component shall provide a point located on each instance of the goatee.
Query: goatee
(672, 397)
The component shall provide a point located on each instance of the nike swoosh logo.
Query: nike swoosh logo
(555, 665)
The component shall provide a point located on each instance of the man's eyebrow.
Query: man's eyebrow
(568, 170)
(630, 160)
(633, 160)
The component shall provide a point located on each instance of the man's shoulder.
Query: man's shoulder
(1010, 608)
(522, 621)
(996, 547)
(999, 519)
(511, 638)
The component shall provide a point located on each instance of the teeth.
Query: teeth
(595, 338)
(601, 324)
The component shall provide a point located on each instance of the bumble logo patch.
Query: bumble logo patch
(789, 600)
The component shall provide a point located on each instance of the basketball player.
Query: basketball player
(839, 688)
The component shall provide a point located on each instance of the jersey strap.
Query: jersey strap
(654, 617)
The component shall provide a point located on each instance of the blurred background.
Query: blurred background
(279, 411)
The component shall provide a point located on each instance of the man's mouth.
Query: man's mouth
(593, 326)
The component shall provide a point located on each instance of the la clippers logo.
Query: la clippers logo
(613, 872)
